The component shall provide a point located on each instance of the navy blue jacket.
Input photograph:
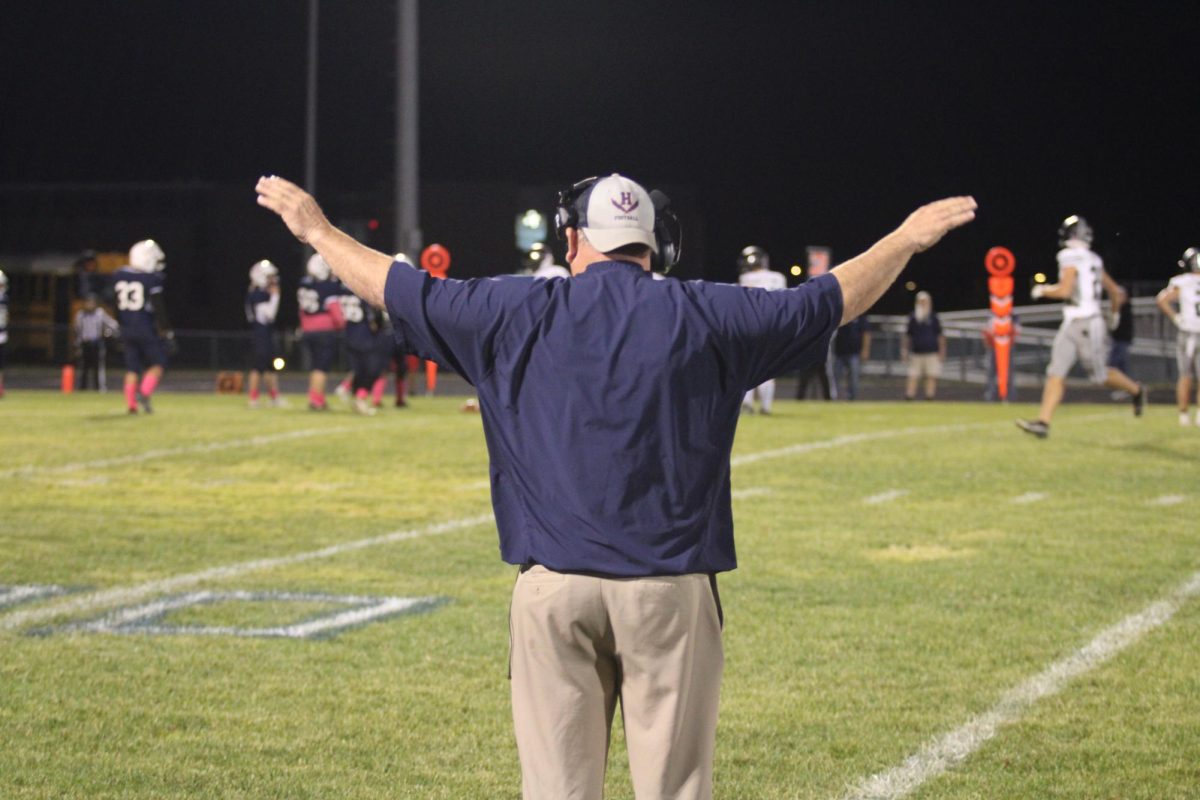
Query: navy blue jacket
(610, 402)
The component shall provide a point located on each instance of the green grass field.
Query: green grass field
(889, 590)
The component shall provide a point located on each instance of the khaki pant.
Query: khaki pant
(581, 643)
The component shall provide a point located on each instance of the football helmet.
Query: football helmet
(318, 267)
(262, 273)
(752, 258)
(147, 256)
(1189, 263)
(1075, 228)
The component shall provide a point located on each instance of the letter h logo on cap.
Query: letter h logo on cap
(626, 203)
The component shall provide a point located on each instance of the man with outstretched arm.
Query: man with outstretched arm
(609, 404)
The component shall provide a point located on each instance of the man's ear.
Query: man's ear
(572, 243)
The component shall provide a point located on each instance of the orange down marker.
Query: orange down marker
(435, 260)
(1000, 262)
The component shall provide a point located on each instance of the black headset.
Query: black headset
(668, 233)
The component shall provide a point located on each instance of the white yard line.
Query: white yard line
(874, 436)
(1168, 500)
(885, 497)
(951, 749)
(169, 452)
(1029, 497)
(127, 594)
(364, 609)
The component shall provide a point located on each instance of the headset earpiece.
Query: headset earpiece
(667, 232)
(567, 213)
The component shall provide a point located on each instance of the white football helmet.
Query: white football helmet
(1189, 263)
(147, 256)
(262, 273)
(1075, 228)
(3, 281)
(318, 267)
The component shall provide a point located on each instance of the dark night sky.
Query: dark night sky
(798, 123)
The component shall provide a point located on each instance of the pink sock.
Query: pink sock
(316, 398)
(345, 385)
(149, 382)
(377, 390)
(274, 394)
(360, 394)
(254, 395)
(131, 395)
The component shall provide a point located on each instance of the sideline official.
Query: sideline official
(609, 405)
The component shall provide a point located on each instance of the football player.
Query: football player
(3, 325)
(320, 320)
(1082, 282)
(262, 306)
(1184, 291)
(362, 326)
(754, 266)
(146, 333)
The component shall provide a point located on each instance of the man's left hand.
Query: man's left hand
(296, 207)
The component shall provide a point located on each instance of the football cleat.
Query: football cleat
(144, 400)
(1034, 427)
(1139, 400)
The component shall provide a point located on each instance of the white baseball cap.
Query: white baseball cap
(615, 212)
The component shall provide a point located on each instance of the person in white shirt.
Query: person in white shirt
(1082, 336)
(548, 269)
(755, 267)
(1183, 292)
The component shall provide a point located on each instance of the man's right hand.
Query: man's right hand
(926, 226)
(296, 207)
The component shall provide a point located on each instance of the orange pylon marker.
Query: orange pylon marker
(435, 260)
(1000, 263)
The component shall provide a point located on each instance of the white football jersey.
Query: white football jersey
(551, 271)
(1085, 297)
(1188, 285)
(763, 279)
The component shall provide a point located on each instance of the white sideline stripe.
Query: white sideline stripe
(364, 609)
(1029, 497)
(150, 455)
(873, 436)
(11, 595)
(126, 594)
(951, 749)
(750, 491)
(885, 497)
(1168, 500)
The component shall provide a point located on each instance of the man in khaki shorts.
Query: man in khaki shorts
(609, 404)
(923, 348)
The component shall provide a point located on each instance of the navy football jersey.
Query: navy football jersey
(261, 307)
(314, 298)
(362, 320)
(135, 294)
